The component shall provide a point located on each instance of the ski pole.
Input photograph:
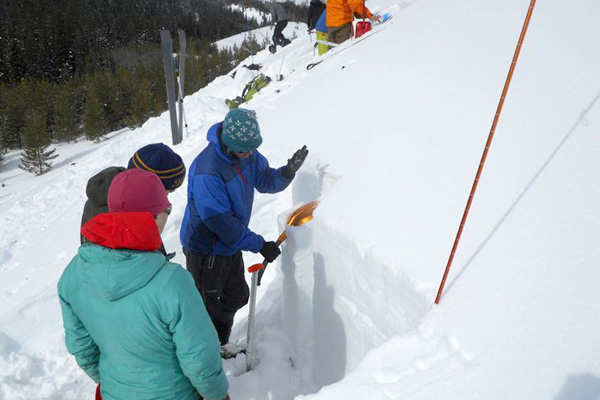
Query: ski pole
(487, 148)
(279, 76)
(185, 124)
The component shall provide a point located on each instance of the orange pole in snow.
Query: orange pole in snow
(487, 148)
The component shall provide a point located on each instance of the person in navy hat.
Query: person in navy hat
(214, 231)
(164, 162)
(157, 158)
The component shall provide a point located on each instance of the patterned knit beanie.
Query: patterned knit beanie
(164, 162)
(241, 131)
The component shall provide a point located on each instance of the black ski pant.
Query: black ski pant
(220, 280)
(278, 37)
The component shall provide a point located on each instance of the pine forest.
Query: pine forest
(72, 69)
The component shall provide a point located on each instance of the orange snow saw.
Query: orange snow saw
(300, 216)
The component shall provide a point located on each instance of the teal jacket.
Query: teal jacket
(134, 321)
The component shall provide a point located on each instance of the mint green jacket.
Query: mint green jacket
(137, 324)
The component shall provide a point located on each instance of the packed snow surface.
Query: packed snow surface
(396, 124)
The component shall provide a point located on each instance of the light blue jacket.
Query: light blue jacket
(136, 322)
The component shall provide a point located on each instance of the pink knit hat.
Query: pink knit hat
(137, 190)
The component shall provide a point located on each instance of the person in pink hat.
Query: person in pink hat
(133, 320)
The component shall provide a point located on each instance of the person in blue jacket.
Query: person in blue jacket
(214, 230)
(133, 320)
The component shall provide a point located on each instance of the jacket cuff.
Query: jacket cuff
(258, 244)
(287, 173)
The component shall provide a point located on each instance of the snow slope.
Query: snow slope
(395, 125)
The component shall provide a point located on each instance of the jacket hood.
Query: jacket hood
(115, 273)
(130, 230)
(214, 136)
(115, 263)
(97, 186)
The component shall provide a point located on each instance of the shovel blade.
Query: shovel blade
(303, 214)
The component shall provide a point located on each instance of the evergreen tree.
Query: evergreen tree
(94, 115)
(65, 114)
(3, 117)
(142, 106)
(2, 150)
(36, 158)
(16, 109)
(107, 92)
(123, 97)
(42, 94)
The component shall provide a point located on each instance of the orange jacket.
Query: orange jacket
(340, 12)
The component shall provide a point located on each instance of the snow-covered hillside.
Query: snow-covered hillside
(261, 35)
(396, 125)
(250, 13)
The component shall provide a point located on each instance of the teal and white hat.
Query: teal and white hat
(241, 131)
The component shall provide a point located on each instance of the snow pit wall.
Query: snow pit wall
(340, 302)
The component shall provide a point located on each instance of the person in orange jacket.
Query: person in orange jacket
(340, 14)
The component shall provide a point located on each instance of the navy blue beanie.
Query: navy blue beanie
(241, 131)
(164, 162)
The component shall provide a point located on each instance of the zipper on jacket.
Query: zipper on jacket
(244, 181)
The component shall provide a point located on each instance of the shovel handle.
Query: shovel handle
(260, 268)
(261, 272)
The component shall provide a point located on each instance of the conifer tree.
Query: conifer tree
(16, 110)
(65, 118)
(3, 117)
(36, 158)
(2, 150)
(93, 120)
(123, 97)
(142, 106)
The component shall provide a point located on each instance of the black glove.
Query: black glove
(294, 163)
(270, 251)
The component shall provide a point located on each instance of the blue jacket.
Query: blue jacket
(321, 23)
(134, 321)
(220, 197)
